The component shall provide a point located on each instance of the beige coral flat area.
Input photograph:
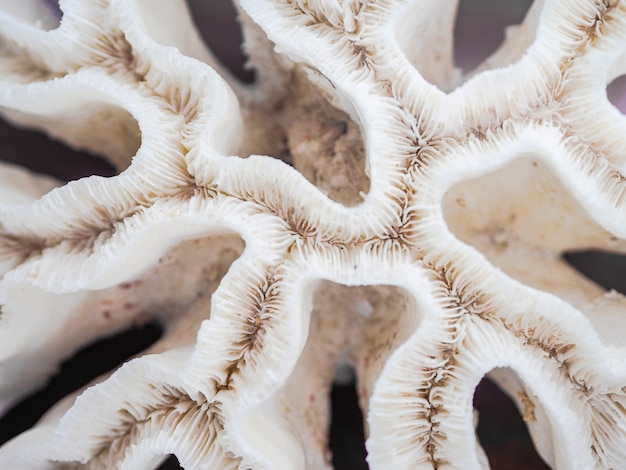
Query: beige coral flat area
(406, 220)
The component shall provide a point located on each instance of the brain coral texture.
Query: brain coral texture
(363, 202)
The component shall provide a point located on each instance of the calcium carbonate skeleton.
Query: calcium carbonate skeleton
(362, 202)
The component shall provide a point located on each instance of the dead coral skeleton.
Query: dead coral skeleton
(416, 234)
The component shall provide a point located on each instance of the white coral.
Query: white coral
(454, 209)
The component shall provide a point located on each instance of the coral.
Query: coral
(409, 220)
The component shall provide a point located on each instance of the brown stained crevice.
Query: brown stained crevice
(402, 235)
(433, 436)
(298, 224)
(440, 377)
(423, 155)
(364, 56)
(302, 227)
(20, 62)
(264, 307)
(554, 351)
(110, 218)
(460, 296)
(478, 133)
(591, 31)
(257, 312)
(226, 384)
(423, 152)
(308, 234)
(209, 191)
(114, 52)
(319, 19)
(23, 246)
(173, 405)
(91, 233)
(82, 239)
(181, 102)
(616, 175)
(600, 22)
(295, 220)
(315, 18)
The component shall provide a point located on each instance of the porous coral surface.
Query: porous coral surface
(406, 219)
